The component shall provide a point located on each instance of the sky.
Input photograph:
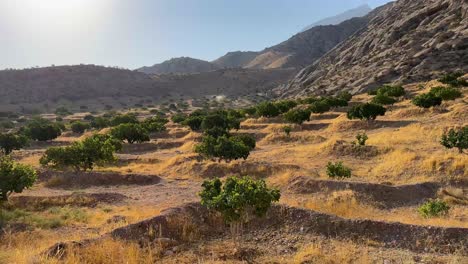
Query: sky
(136, 33)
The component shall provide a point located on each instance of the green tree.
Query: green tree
(124, 119)
(345, 95)
(82, 155)
(14, 177)
(319, 107)
(434, 208)
(267, 109)
(132, 133)
(335, 101)
(383, 99)
(194, 122)
(178, 118)
(79, 127)
(42, 130)
(285, 105)
(246, 139)
(338, 170)
(62, 111)
(297, 116)
(446, 93)
(427, 100)
(456, 138)
(238, 200)
(10, 142)
(223, 148)
(100, 122)
(155, 124)
(368, 111)
(287, 130)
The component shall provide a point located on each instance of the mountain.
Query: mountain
(306, 47)
(182, 65)
(97, 86)
(359, 11)
(235, 59)
(405, 41)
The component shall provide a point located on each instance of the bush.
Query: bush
(62, 111)
(335, 101)
(124, 119)
(155, 124)
(383, 99)
(389, 90)
(446, 93)
(238, 199)
(361, 139)
(100, 122)
(194, 122)
(434, 208)
(10, 142)
(247, 140)
(79, 127)
(223, 148)
(285, 105)
(455, 139)
(178, 118)
(338, 170)
(453, 79)
(42, 130)
(219, 123)
(132, 133)
(427, 100)
(319, 107)
(14, 177)
(345, 95)
(82, 155)
(368, 111)
(297, 116)
(267, 109)
(287, 130)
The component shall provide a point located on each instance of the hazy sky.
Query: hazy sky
(135, 33)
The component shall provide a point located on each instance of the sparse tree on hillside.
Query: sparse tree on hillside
(427, 100)
(224, 148)
(238, 200)
(319, 107)
(79, 127)
(287, 130)
(456, 138)
(10, 142)
(124, 119)
(297, 116)
(132, 133)
(42, 130)
(383, 99)
(100, 122)
(366, 111)
(446, 93)
(14, 177)
(267, 109)
(454, 79)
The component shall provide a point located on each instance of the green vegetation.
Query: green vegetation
(389, 90)
(297, 116)
(427, 100)
(155, 124)
(11, 141)
(62, 111)
(79, 127)
(42, 130)
(285, 105)
(338, 170)
(100, 122)
(446, 93)
(361, 139)
(178, 118)
(124, 119)
(82, 155)
(368, 111)
(132, 133)
(434, 208)
(225, 148)
(14, 177)
(238, 200)
(456, 138)
(453, 79)
(267, 109)
(383, 99)
(319, 107)
(287, 130)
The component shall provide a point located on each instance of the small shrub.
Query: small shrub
(319, 107)
(285, 105)
(455, 139)
(79, 127)
(427, 100)
(297, 116)
(434, 208)
(287, 130)
(446, 93)
(178, 118)
(267, 109)
(383, 99)
(345, 95)
(14, 177)
(453, 79)
(366, 111)
(338, 170)
(361, 139)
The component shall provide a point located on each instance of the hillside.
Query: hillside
(183, 65)
(96, 87)
(359, 11)
(304, 48)
(406, 41)
(235, 59)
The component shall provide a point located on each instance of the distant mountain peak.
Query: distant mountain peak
(359, 11)
(180, 65)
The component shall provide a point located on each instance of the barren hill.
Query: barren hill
(183, 65)
(409, 40)
(235, 59)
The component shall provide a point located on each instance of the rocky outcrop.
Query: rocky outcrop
(183, 65)
(405, 41)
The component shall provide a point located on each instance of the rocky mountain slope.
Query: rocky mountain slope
(359, 11)
(235, 59)
(304, 48)
(405, 41)
(182, 65)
